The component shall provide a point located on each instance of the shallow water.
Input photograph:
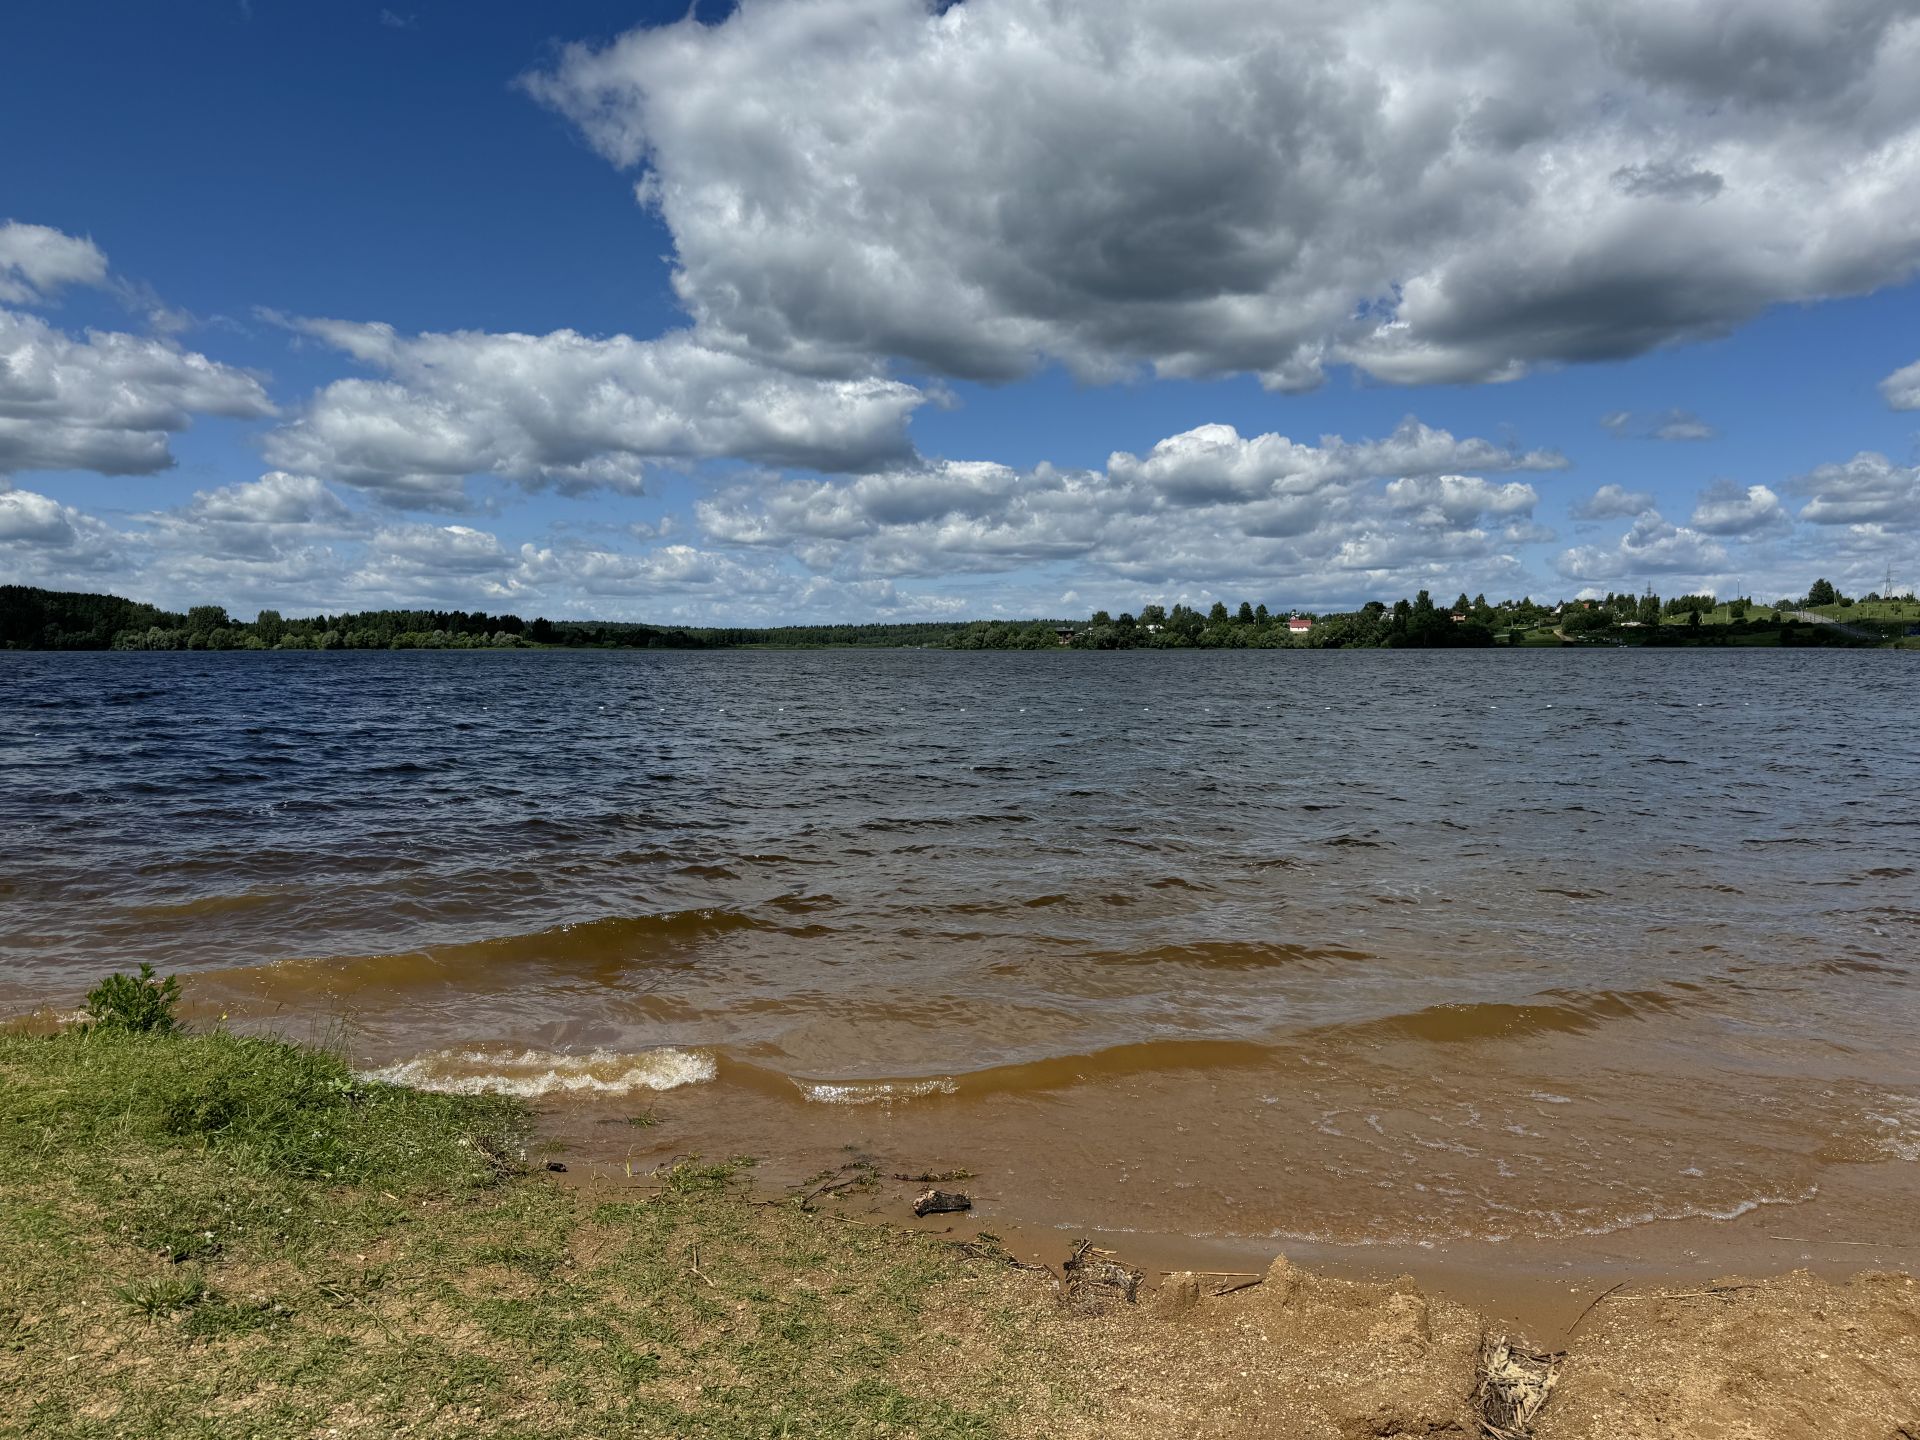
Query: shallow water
(1368, 948)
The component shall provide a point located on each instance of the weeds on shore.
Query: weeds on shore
(218, 1235)
(139, 1004)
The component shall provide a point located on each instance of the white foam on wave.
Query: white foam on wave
(1896, 1125)
(1699, 1212)
(875, 1092)
(532, 1073)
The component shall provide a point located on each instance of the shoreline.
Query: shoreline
(1532, 1282)
(215, 1229)
(1538, 1285)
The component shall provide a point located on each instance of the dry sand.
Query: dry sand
(1304, 1355)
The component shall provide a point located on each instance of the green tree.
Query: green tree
(203, 620)
(1822, 593)
(1218, 614)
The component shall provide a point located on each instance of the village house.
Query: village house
(1299, 625)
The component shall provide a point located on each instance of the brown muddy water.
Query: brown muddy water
(1539, 955)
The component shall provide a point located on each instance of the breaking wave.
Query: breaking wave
(883, 1092)
(532, 1073)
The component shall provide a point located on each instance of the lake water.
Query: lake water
(1350, 948)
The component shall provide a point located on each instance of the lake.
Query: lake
(1342, 949)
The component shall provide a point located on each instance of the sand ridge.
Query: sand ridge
(1306, 1355)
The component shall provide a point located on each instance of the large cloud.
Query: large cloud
(571, 412)
(107, 402)
(1429, 193)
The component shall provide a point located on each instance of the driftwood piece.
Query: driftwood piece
(1096, 1283)
(941, 1202)
(1514, 1386)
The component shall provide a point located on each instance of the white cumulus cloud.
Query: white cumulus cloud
(1430, 193)
(37, 261)
(1613, 502)
(571, 412)
(1729, 509)
(1207, 506)
(1902, 388)
(107, 402)
(1652, 546)
(1866, 490)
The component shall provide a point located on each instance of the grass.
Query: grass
(210, 1235)
(1860, 612)
(1908, 610)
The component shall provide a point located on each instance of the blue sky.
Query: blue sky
(841, 308)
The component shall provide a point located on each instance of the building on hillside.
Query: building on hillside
(1299, 625)
(1065, 636)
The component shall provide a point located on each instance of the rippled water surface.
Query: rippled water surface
(1367, 947)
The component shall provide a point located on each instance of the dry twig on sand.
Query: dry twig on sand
(1593, 1303)
(1243, 1285)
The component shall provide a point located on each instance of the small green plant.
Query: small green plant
(165, 1295)
(645, 1120)
(135, 1004)
(214, 1318)
(690, 1177)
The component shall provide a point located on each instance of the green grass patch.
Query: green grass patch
(214, 1235)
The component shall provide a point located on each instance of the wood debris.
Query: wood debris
(1096, 1282)
(1513, 1388)
(941, 1202)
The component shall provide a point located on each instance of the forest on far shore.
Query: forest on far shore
(35, 619)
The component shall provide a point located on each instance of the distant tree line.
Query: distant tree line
(33, 619)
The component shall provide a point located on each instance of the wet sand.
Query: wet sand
(1539, 1285)
(1666, 1342)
